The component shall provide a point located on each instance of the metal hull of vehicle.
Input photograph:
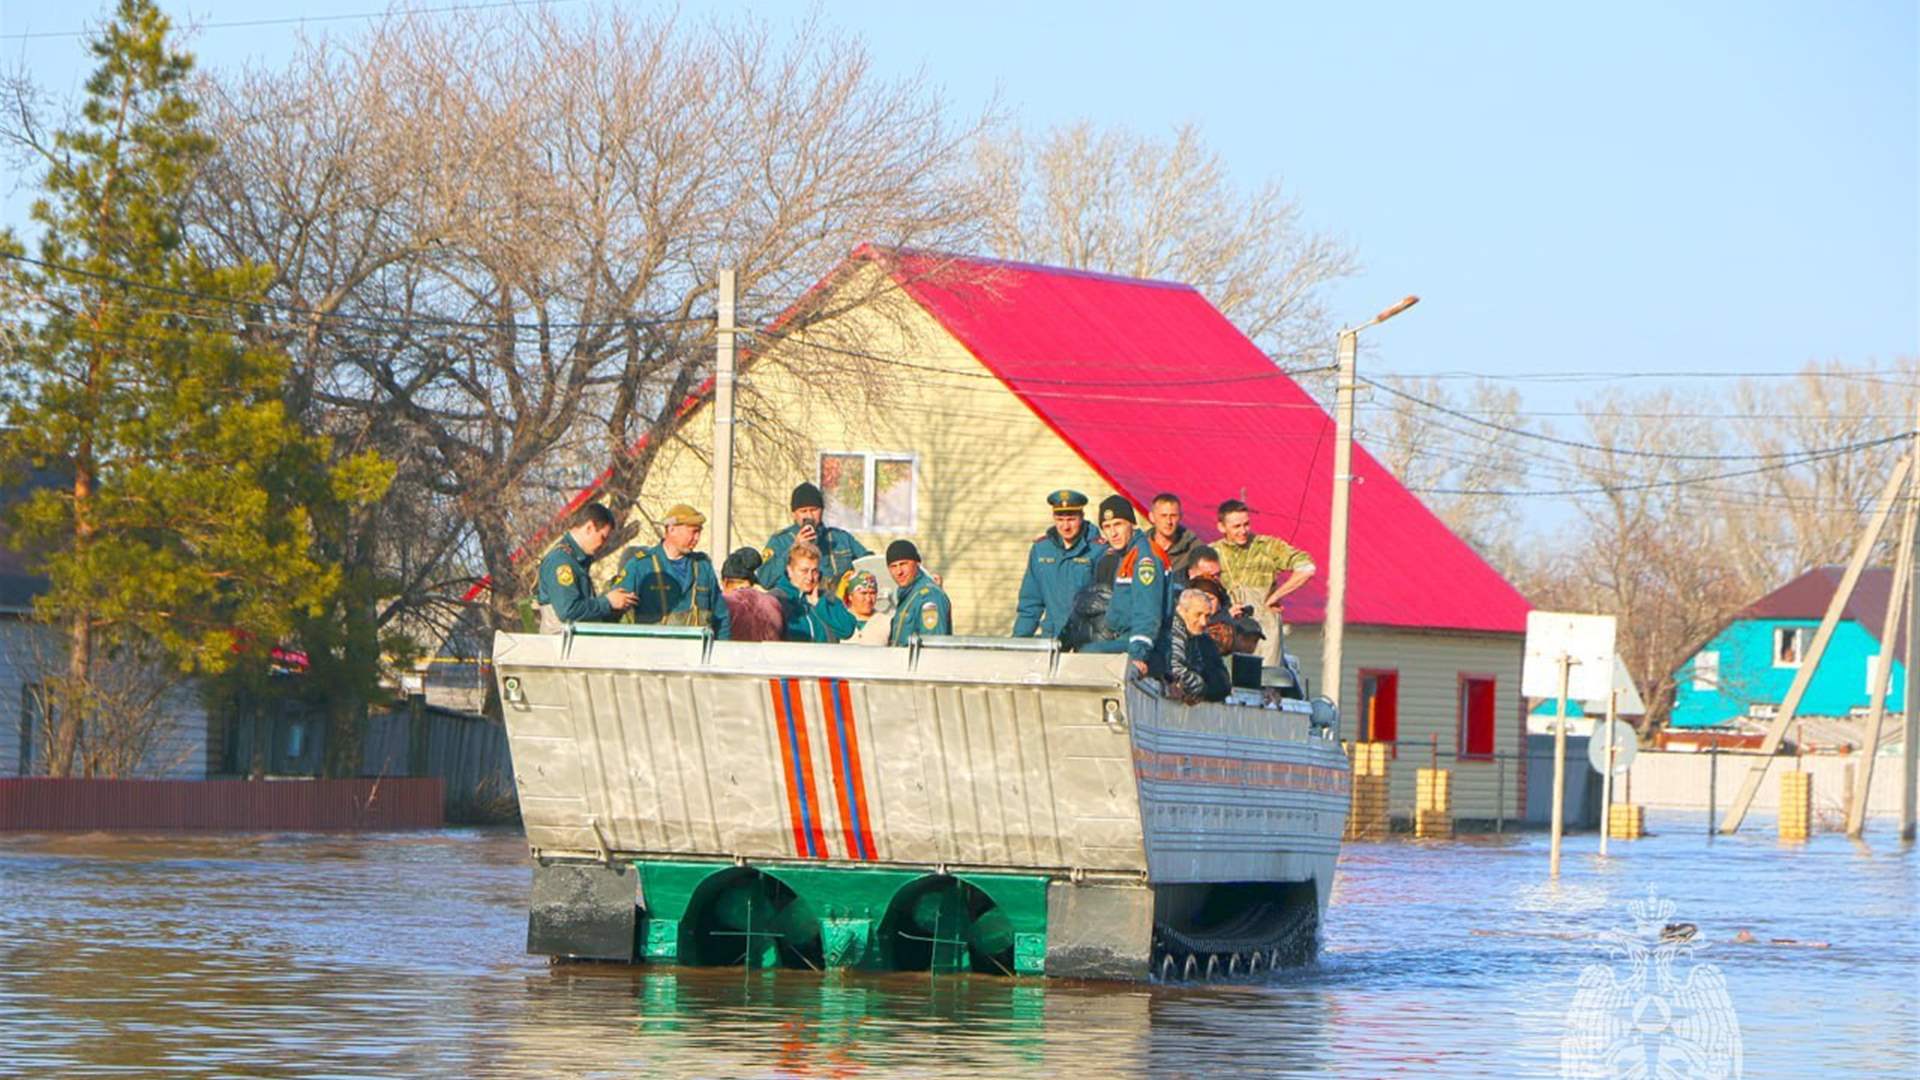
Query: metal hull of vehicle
(823, 787)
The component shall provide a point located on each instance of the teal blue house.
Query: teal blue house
(1744, 671)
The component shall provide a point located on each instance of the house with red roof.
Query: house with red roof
(941, 398)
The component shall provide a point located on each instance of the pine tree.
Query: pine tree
(183, 534)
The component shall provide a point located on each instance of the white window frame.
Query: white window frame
(869, 458)
(1706, 670)
(1799, 646)
(1873, 663)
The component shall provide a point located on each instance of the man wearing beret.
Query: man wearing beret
(672, 584)
(838, 548)
(1138, 612)
(920, 607)
(1059, 565)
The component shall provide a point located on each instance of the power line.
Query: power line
(1607, 376)
(1610, 450)
(40, 35)
(368, 321)
(1612, 489)
(1131, 379)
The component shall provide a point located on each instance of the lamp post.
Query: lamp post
(1335, 626)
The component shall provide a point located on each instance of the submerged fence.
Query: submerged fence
(467, 752)
(1496, 791)
(43, 804)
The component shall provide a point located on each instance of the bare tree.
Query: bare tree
(1121, 202)
(500, 269)
(1462, 469)
(1792, 518)
(1637, 550)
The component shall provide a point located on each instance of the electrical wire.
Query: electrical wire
(371, 321)
(40, 35)
(1609, 450)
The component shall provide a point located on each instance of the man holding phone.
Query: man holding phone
(838, 548)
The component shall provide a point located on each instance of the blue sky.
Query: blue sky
(1637, 187)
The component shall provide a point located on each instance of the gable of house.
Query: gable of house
(1747, 668)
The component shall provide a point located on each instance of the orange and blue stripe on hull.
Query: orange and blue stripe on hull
(796, 759)
(849, 779)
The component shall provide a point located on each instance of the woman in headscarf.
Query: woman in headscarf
(862, 592)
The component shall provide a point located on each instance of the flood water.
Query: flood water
(403, 955)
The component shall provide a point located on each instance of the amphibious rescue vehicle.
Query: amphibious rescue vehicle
(974, 804)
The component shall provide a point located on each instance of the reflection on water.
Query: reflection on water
(308, 955)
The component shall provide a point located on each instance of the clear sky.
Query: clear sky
(1628, 187)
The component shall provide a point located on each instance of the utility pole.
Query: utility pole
(1334, 628)
(1897, 595)
(723, 373)
(1606, 778)
(1559, 767)
(1802, 678)
(1910, 726)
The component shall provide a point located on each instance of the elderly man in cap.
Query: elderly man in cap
(1138, 611)
(671, 583)
(1059, 565)
(920, 606)
(838, 548)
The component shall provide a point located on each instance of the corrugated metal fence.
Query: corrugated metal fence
(467, 751)
(32, 804)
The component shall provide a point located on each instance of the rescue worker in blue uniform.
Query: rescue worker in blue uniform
(672, 584)
(1059, 565)
(812, 612)
(1138, 611)
(838, 548)
(564, 592)
(920, 606)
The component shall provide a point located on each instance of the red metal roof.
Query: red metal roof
(1160, 392)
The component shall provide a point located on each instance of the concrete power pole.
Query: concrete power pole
(1333, 640)
(721, 542)
(1910, 726)
(1883, 666)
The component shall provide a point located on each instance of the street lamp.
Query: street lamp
(1334, 628)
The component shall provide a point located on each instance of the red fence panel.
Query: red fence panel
(385, 803)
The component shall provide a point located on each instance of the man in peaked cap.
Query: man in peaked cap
(1059, 565)
(1138, 612)
(838, 548)
(920, 607)
(671, 583)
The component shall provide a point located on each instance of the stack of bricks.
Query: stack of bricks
(1433, 804)
(1796, 805)
(1368, 818)
(1625, 822)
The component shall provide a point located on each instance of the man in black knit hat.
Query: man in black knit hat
(920, 607)
(838, 548)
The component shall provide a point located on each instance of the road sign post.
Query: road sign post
(1566, 655)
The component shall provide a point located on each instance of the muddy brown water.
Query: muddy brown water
(403, 955)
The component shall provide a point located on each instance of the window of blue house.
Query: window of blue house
(1789, 645)
(1706, 670)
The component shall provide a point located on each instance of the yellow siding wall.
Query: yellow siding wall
(985, 462)
(1430, 665)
